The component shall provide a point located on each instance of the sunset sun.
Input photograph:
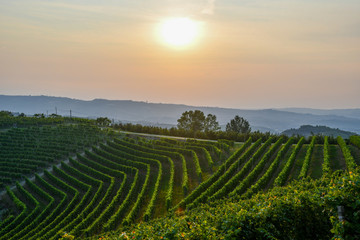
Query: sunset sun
(179, 32)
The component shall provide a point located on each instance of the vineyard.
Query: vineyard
(78, 180)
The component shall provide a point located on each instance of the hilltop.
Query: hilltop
(308, 130)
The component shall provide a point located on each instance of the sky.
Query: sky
(248, 54)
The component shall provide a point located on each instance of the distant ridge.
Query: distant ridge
(272, 120)
(353, 112)
(308, 130)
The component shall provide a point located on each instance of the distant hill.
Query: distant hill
(352, 113)
(308, 130)
(160, 114)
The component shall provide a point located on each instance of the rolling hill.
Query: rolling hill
(271, 120)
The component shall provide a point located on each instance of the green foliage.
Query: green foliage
(284, 174)
(211, 124)
(4, 114)
(46, 211)
(25, 151)
(31, 216)
(305, 167)
(264, 180)
(103, 121)
(246, 183)
(214, 135)
(113, 222)
(130, 149)
(344, 191)
(205, 153)
(195, 121)
(320, 131)
(192, 121)
(227, 178)
(118, 183)
(355, 140)
(301, 210)
(238, 125)
(231, 178)
(8, 120)
(140, 198)
(205, 185)
(326, 165)
(350, 162)
(19, 218)
(57, 213)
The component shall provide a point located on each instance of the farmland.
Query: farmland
(79, 180)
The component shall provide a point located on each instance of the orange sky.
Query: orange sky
(249, 54)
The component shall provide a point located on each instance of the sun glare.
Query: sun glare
(179, 32)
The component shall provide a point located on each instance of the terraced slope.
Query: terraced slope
(24, 151)
(111, 184)
(259, 166)
(124, 180)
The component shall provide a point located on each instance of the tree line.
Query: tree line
(195, 124)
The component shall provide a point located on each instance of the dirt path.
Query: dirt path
(154, 136)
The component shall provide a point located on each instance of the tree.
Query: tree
(53, 115)
(238, 125)
(103, 121)
(39, 115)
(211, 125)
(192, 121)
(195, 121)
(6, 114)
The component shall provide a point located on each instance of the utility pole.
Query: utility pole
(70, 113)
(56, 110)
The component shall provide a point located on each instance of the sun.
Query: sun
(179, 32)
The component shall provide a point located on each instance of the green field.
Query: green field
(77, 180)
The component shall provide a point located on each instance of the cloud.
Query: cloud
(209, 9)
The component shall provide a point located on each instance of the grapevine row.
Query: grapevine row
(229, 173)
(264, 180)
(305, 166)
(232, 182)
(350, 162)
(205, 185)
(246, 183)
(326, 165)
(281, 179)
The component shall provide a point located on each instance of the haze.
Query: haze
(249, 54)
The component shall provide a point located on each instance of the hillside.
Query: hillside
(111, 181)
(352, 113)
(302, 210)
(308, 130)
(270, 120)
